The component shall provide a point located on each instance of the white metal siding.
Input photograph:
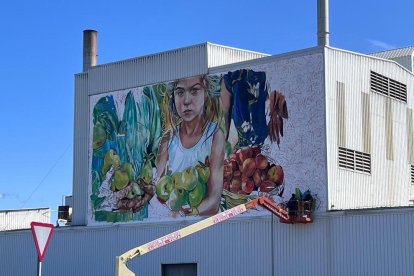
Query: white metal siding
(21, 219)
(165, 66)
(403, 56)
(80, 150)
(389, 182)
(341, 243)
(221, 55)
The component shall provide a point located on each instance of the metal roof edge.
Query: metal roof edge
(237, 49)
(370, 56)
(144, 56)
(174, 50)
(409, 48)
(24, 209)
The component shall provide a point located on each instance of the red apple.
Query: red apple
(249, 166)
(244, 153)
(226, 185)
(234, 165)
(276, 174)
(257, 178)
(227, 171)
(247, 186)
(266, 186)
(233, 156)
(237, 173)
(261, 161)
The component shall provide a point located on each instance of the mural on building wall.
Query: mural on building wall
(194, 146)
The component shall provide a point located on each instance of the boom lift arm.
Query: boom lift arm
(121, 261)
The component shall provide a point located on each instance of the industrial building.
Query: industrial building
(347, 137)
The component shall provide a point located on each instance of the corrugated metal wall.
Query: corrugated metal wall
(165, 66)
(219, 55)
(403, 56)
(340, 243)
(389, 182)
(21, 219)
(80, 150)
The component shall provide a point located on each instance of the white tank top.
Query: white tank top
(180, 158)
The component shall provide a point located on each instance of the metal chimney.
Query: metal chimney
(323, 23)
(89, 49)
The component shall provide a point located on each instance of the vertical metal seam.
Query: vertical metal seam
(366, 122)
(410, 134)
(389, 129)
(340, 90)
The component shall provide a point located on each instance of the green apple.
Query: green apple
(176, 176)
(120, 180)
(196, 195)
(163, 188)
(178, 197)
(188, 179)
(111, 159)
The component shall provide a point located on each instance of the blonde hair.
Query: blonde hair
(213, 110)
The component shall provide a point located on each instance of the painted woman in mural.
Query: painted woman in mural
(191, 152)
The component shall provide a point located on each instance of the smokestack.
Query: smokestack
(323, 23)
(89, 49)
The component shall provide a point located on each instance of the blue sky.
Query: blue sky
(41, 50)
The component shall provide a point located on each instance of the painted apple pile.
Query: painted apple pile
(183, 188)
(247, 169)
(132, 192)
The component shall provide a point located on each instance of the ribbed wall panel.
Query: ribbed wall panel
(340, 105)
(80, 150)
(388, 184)
(376, 242)
(403, 56)
(366, 123)
(410, 136)
(221, 55)
(21, 219)
(165, 66)
(388, 129)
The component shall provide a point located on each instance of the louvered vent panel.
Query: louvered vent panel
(346, 158)
(398, 90)
(379, 83)
(362, 162)
(354, 160)
(388, 87)
(412, 174)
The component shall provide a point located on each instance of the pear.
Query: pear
(120, 180)
(99, 136)
(137, 190)
(146, 172)
(111, 159)
(129, 169)
(203, 173)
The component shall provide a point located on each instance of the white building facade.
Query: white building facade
(348, 139)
